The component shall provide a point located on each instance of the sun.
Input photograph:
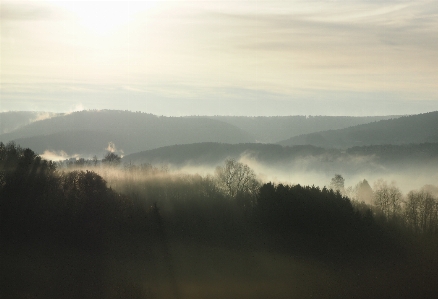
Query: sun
(99, 17)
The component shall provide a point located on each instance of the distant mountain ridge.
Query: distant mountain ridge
(300, 158)
(88, 131)
(272, 129)
(12, 120)
(418, 128)
(214, 153)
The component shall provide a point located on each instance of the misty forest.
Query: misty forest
(240, 149)
(119, 204)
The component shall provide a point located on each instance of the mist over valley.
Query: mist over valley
(401, 149)
(218, 149)
(162, 189)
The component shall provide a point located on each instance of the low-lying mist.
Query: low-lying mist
(235, 229)
(411, 166)
(318, 170)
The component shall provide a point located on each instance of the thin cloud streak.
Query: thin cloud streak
(357, 47)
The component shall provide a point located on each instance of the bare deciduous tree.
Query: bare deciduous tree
(421, 212)
(337, 183)
(235, 178)
(388, 198)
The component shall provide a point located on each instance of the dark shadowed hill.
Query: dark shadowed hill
(12, 120)
(376, 160)
(210, 153)
(404, 130)
(276, 128)
(89, 132)
(213, 153)
(262, 129)
(84, 143)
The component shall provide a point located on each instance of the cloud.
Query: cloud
(203, 49)
(76, 108)
(345, 46)
(57, 155)
(335, 27)
(27, 11)
(113, 149)
(43, 116)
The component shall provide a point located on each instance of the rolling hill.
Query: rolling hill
(212, 154)
(12, 120)
(89, 132)
(418, 128)
(272, 129)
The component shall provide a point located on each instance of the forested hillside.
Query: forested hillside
(89, 132)
(106, 231)
(211, 153)
(12, 120)
(277, 128)
(375, 158)
(404, 130)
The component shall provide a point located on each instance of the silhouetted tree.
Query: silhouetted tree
(387, 198)
(94, 161)
(314, 219)
(111, 159)
(337, 183)
(364, 193)
(421, 212)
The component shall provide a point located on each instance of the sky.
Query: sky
(256, 58)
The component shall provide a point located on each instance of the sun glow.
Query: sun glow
(100, 17)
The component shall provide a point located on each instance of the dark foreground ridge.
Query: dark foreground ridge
(66, 234)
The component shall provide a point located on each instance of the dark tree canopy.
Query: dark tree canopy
(111, 159)
(337, 183)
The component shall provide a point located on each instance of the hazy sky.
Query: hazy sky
(220, 57)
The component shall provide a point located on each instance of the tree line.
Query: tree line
(417, 210)
(232, 206)
(31, 183)
(113, 212)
